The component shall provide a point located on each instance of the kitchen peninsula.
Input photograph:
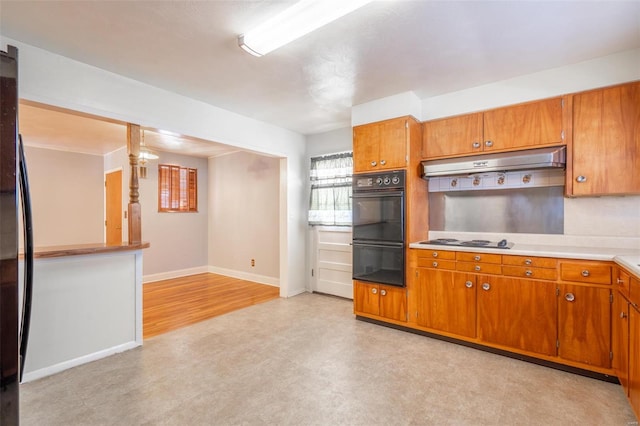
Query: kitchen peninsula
(87, 304)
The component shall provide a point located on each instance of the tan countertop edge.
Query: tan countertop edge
(82, 249)
(627, 258)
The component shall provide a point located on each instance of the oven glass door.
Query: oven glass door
(378, 216)
(379, 263)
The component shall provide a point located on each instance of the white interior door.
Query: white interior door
(332, 268)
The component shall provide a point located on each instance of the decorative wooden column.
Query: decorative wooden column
(135, 213)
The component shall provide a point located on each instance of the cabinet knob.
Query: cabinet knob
(476, 258)
(620, 281)
(488, 143)
(528, 262)
(374, 290)
(477, 267)
(373, 164)
(383, 292)
(468, 284)
(486, 286)
(528, 273)
(623, 315)
(383, 162)
(434, 254)
(569, 297)
(581, 179)
(476, 144)
(585, 273)
(435, 264)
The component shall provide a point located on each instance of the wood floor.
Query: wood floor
(176, 303)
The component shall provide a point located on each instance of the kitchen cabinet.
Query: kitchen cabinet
(606, 142)
(620, 339)
(527, 125)
(634, 359)
(584, 324)
(447, 301)
(383, 145)
(518, 313)
(381, 300)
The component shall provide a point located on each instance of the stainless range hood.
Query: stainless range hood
(530, 159)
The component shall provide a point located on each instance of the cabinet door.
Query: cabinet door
(366, 298)
(526, 125)
(366, 142)
(620, 339)
(452, 136)
(584, 324)
(606, 141)
(634, 360)
(393, 302)
(447, 301)
(392, 149)
(518, 313)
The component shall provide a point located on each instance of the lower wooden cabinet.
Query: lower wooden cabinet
(518, 313)
(447, 301)
(584, 324)
(634, 359)
(620, 339)
(380, 300)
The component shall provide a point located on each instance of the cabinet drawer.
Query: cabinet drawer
(436, 263)
(481, 268)
(621, 281)
(479, 257)
(529, 272)
(536, 262)
(587, 272)
(634, 291)
(436, 254)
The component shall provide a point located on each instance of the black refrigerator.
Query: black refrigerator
(15, 299)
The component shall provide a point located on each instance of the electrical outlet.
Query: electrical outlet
(253, 263)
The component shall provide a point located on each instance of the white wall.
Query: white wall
(178, 240)
(67, 196)
(119, 160)
(244, 206)
(55, 80)
(614, 216)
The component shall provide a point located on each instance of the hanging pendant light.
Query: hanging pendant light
(145, 155)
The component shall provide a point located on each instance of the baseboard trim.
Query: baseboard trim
(174, 274)
(57, 368)
(241, 275)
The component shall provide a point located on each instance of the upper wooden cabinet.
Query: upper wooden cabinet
(606, 142)
(383, 145)
(515, 127)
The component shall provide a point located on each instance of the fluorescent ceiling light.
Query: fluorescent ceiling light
(298, 20)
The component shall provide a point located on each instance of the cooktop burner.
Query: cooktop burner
(502, 244)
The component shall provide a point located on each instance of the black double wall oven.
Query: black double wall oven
(378, 227)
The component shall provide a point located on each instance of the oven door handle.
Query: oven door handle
(378, 194)
(377, 244)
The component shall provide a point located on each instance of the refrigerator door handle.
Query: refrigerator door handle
(28, 256)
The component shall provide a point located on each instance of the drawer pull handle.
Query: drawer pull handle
(476, 258)
(528, 273)
(585, 273)
(468, 284)
(383, 292)
(477, 267)
(623, 315)
(528, 262)
(486, 286)
(373, 163)
(374, 290)
(435, 264)
(569, 297)
(383, 162)
(620, 281)
(434, 254)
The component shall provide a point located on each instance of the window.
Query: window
(177, 189)
(330, 200)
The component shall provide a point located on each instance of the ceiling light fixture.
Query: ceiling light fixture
(144, 155)
(298, 20)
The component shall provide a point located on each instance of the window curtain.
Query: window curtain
(330, 200)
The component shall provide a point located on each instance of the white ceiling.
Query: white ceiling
(310, 85)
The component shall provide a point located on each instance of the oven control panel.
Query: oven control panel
(387, 180)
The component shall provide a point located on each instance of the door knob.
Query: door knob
(586, 273)
(435, 264)
(569, 297)
(488, 143)
(486, 286)
(374, 290)
(476, 145)
(468, 284)
(581, 179)
(383, 292)
(373, 163)
(383, 162)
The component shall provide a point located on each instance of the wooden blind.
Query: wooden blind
(177, 189)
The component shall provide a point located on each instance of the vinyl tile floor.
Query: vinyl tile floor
(306, 361)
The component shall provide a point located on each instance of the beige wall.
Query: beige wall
(244, 214)
(67, 196)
